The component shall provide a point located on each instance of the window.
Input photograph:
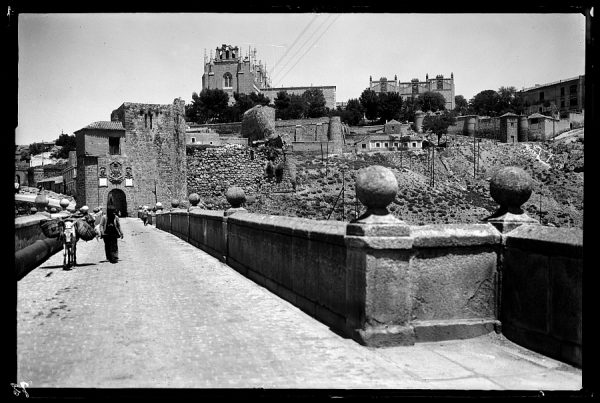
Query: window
(364, 145)
(541, 95)
(573, 89)
(562, 91)
(414, 145)
(440, 84)
(114, 146)
(562, 103)
(395, 144)
(386, 145)
(377, 145)
(193, 139)
(512, 124)
(151, 121)
(573, 102)
(227, 80)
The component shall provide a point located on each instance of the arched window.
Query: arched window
(227, 80)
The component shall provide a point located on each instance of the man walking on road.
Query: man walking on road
(145, 216)
(110, 230)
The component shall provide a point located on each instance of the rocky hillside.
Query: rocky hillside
(458, 196)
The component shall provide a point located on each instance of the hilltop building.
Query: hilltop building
(136, 158)
(412, 89)
(232, 73)
(559, 97)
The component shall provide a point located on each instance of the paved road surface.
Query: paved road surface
(170, 316)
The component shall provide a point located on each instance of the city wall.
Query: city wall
(212, 170)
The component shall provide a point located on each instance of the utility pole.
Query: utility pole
(343, 196)
(433, 168)
(474, 160)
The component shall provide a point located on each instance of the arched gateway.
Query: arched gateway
(118, 200)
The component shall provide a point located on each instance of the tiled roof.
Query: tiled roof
(105, 125)
(509, 114)
(538, 115)
(393, 121)
(55, 179)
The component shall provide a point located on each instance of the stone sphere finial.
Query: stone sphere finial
(511, 187)
(158, 206)
(64, 203)
(194, 199)
(53, 210)
(174, 203)
(41, 201)
(376, 187)
(32, 210)
(235, 196)
(84, 209)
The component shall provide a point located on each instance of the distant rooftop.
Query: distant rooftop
(105, 125)
(538, 86)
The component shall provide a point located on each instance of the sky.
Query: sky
(75, 69)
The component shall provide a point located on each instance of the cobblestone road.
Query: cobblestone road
(170, 316)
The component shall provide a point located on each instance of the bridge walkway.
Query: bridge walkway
(168, 315)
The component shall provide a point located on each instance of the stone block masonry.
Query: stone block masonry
(139, 155)
(211, 171)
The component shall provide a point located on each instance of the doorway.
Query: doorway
(118, 200)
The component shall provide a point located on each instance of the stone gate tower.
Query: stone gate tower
(136, 158)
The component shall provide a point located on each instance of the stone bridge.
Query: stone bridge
(230, 299)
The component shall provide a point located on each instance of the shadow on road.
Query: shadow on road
(77, 265)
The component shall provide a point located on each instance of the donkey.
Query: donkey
(68, 237)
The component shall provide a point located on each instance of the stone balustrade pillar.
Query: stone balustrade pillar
(236, 198)
(378, 255)
(510, 187)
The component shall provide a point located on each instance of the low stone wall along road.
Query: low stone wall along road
(171, 316)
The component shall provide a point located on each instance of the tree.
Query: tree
(431, 101)
(282, 102)
(485, 103)
(461, 106)
(289, 106)
(354, 112)
(209, 106)
(315, 103)
(390, 105)
(370, 103)
(68, 143)
(506, 97)
(297, 108)
(36, 148)
(260, 99)
(409, 107)
(192, 111)
(438, 124)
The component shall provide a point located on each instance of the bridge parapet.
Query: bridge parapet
(383, 282)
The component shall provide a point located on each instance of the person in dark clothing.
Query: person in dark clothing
(145, 216)
(110, 230)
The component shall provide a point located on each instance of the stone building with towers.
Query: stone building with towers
(136, 158)
(231, 72)
(440, 84)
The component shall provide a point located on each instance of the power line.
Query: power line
(295, 41)
(299, 49)
(309, 48)
(290, 59)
